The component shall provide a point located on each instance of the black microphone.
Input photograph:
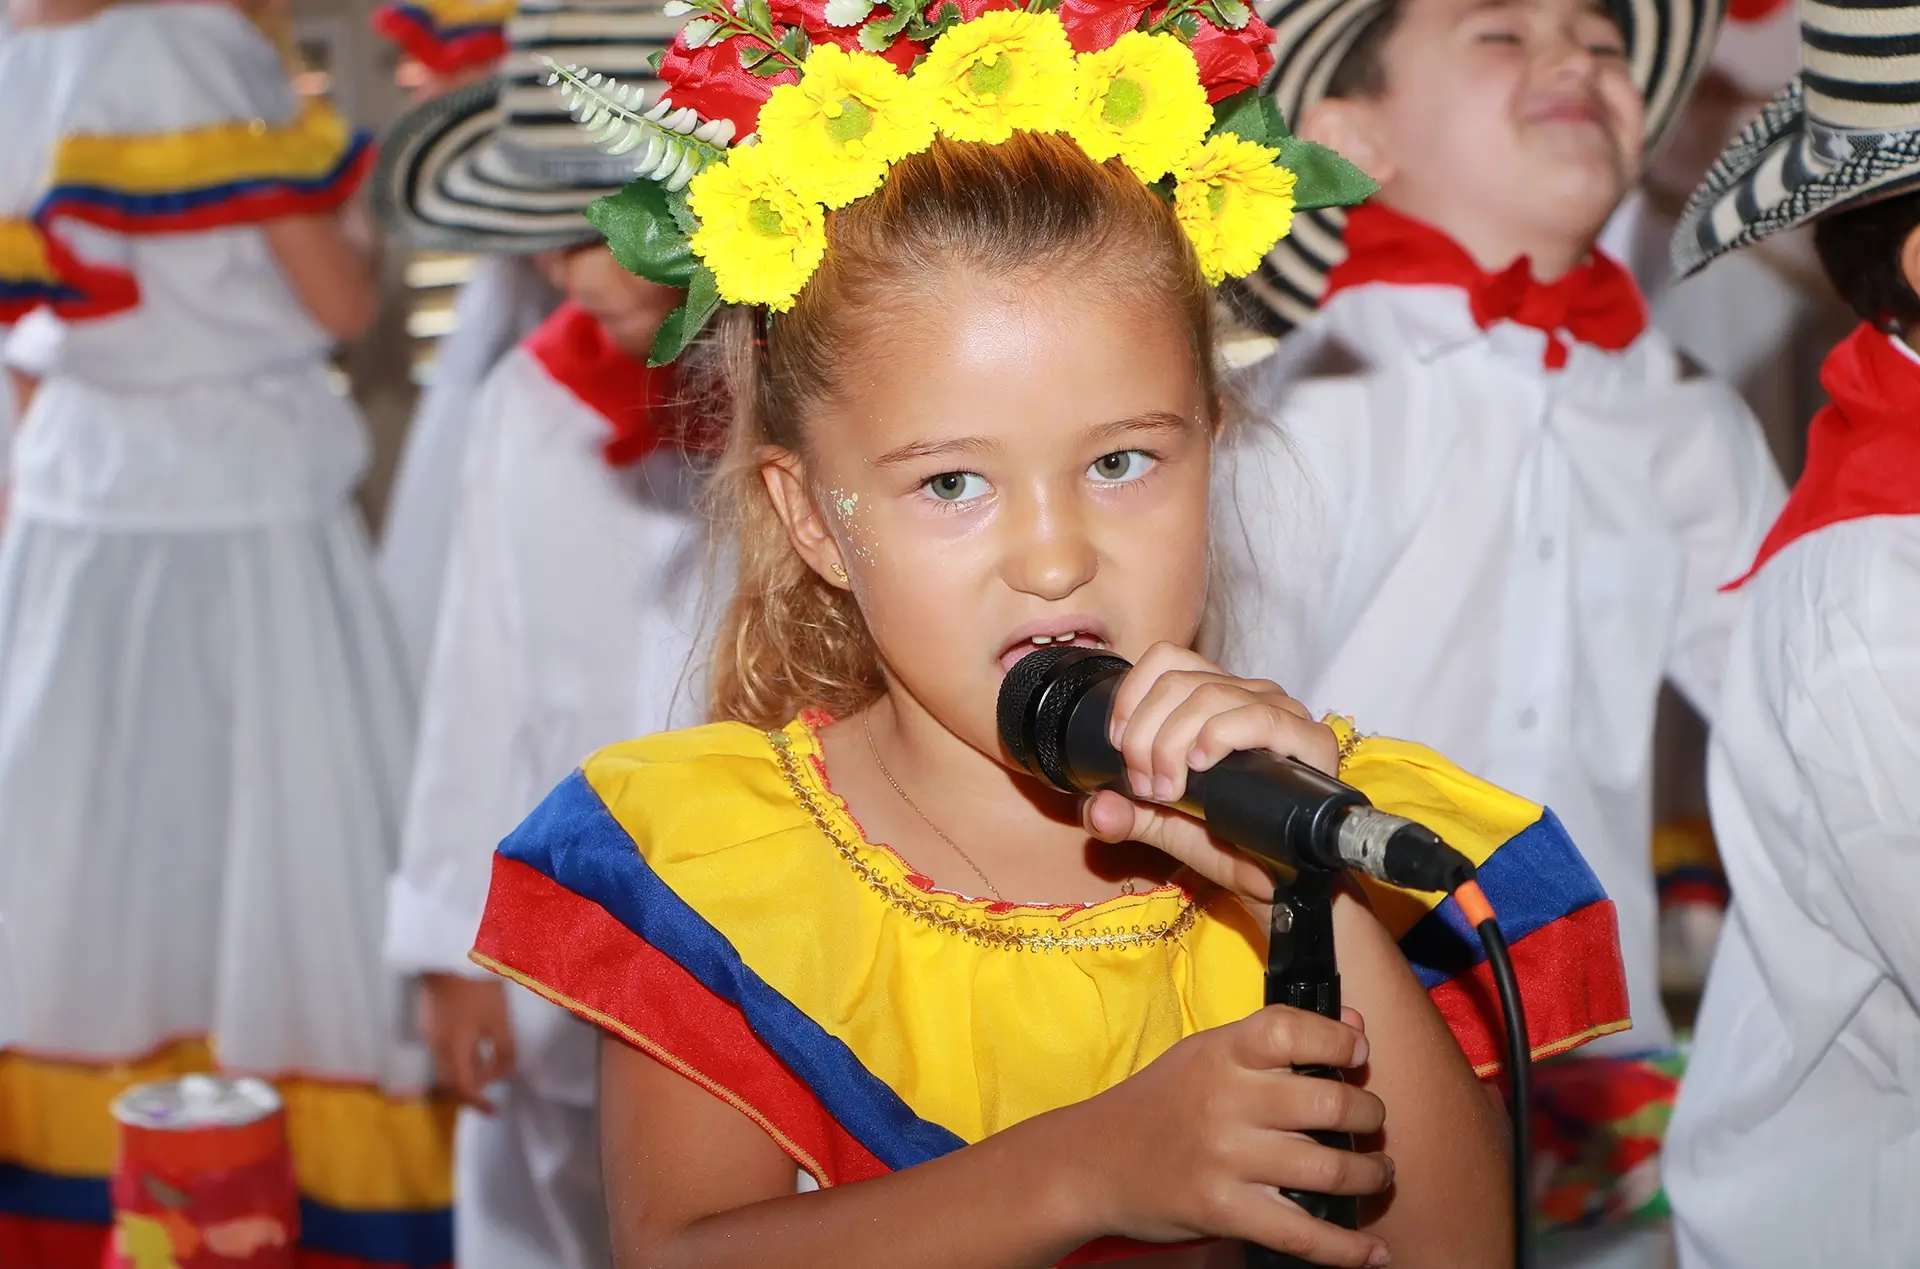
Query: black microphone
(1055, 705)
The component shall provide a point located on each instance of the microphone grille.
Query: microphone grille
(1020, 694)
(1038, 697)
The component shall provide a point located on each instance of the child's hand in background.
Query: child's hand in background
(464, 1022)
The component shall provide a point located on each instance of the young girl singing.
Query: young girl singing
(980, 421)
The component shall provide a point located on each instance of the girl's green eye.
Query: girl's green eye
(1126, 464)
(956, 486)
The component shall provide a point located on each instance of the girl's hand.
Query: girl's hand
(1201, 1142)
(1177, 712)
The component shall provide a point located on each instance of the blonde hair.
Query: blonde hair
(789, 641)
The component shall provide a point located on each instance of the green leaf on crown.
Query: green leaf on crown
(685, 323)
(795, 44)
(1229, 15)
(1251, 115)
(756, 14)
(644, 233)
(1322, 178)
(682, 211)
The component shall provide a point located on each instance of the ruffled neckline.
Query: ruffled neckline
(1159, 915)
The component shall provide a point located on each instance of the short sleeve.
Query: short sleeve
(180, 119)
(446, 36)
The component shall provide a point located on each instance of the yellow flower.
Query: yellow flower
(1141, 99)
(1235, 202)
(1004, 70)
(834, 133)
(761, 240)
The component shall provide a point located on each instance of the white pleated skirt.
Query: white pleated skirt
(205, 731)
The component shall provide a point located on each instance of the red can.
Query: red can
(204, 1180)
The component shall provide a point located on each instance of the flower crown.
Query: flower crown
(828, 94)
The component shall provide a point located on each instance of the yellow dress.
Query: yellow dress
(706, 896)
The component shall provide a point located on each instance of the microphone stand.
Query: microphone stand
(1302, 972)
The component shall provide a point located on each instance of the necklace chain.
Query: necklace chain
(866, 723)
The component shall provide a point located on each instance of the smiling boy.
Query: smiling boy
(1492, 509)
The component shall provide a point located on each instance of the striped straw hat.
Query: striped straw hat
(1668, 43)
(499, 167)
(1845, 131)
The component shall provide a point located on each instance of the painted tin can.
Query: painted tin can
(203, 1179)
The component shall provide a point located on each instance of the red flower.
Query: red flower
(1231, 61)
(1095, 24)
(712, 81)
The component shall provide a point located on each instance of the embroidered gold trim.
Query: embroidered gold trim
(1348, 743)
(928, 912)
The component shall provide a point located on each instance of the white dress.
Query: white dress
(205, 721)
(574, 614)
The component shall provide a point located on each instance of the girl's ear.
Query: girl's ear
(785, 477)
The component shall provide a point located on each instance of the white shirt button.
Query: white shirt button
(1546, 548)
(1527, 719)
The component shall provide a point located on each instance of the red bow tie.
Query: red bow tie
(1597, 303)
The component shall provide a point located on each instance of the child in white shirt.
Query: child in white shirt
(1795, 1141)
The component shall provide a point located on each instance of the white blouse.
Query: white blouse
(1424, 528)
(1796, 1140)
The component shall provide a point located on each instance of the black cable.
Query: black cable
(1519, 1057)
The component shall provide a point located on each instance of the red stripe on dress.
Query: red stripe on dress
(545, 933)
(1560, 1006)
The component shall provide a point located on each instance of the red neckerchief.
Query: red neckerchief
(1597, 303)
(1863, 451)
(619, 387)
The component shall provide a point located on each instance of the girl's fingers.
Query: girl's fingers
(1153, 663)
(1290, 1162)
(1262, 722)
(1265, 1216)
(1146, 726)
(1304, 1103)
(1112, 818)
(1279, 1037)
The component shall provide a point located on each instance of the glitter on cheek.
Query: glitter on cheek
(846, 507)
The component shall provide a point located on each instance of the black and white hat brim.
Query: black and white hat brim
(1781, 172)
(499, 167)
(1668, 44)
(444, 183)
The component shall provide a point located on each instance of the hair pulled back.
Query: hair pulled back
(1024, 208)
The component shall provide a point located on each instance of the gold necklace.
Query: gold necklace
(866, 723)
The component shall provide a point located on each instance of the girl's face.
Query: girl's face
(1011, 466)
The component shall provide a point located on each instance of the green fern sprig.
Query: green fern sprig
(669, 146)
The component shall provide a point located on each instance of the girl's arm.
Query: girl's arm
(327, 271)
(1450, 1206)
(1191, 1146)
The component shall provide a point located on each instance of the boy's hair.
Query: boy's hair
(1015, 211)
(1362, 72)
(1860, 249)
